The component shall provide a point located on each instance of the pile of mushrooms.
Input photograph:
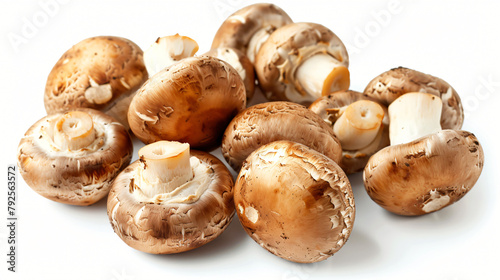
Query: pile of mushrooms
(430, 163)
(292, 194)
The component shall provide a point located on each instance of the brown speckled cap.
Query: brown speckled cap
(100, 73)
(294, 202)
(191, 101)
(425, 175)
(392, 84)
(165, 228)
(273, 121)
(74, 177)
(240, 62)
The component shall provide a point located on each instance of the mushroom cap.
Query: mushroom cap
(272, 121)
(191, 101)
(165, 228)
(239, 28)
(295, 202)
(240, 62)
(425, 175)
(281, 55)
(390, 85)
(326, 106)
(81, 177)
(100, 73)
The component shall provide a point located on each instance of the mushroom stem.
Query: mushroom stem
(74, 131)
(98, 94)
(359, 125)
(256, 42)
(165, 166)
(322, 74)
(168, 50)
(414, 115)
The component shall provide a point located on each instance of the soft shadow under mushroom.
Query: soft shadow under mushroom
(230, 240)
(361, 249)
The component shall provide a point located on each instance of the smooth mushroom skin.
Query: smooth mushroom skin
(239, 28)
(326, 107)
(272, 121)
(390, 85)
(165, 228)
(295, 202)
(424, 175)
(191, 101)
(101, 73)
(240, 62)
(80, 177)
(283, 53)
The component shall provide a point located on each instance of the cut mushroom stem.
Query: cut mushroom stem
(322, 74)
(168, 50)
(74, 131)
(414, 115)
(98, 94)
(165, 167)
(359, 125)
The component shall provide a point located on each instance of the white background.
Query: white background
(455, 40)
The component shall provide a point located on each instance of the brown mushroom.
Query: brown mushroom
(301, 62)
(360, 124)
(248, 28)
(267, 122)
(240, 63)
(171, 200)
(73, 157)
(101, 73)
(425, 169)
(294, 202)
(390, 85)
(191, 101)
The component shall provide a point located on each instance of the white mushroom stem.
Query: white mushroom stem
(359, 125)
(168, 50)
(414, 115)
(74, 131)
(166, 166)
(256, 42)
(322, 74)
(98, 94)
